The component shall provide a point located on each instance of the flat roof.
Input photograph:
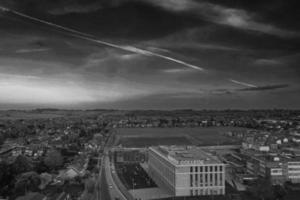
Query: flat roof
(186, 155)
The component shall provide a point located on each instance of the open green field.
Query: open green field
(139, 137)
(151, 141)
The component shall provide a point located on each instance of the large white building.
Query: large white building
(186, 170)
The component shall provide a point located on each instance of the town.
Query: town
(184, 154)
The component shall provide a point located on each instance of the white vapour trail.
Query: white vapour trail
(150, 53)
(242, 83)
(48, 23)
(89, 37)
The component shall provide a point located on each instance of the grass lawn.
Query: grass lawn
(177, 136)
(151, 141)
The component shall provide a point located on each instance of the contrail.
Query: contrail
(45, 22)
(89, 37)
(242, 83)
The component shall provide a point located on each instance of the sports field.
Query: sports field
(142, 137)
(152, 141)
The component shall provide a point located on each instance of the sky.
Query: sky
(149, 54)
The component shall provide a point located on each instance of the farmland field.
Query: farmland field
(139, 137)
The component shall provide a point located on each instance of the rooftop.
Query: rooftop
(185, 155)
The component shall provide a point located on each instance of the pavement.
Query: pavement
(149, 193)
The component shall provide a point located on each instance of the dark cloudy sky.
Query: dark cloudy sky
(248, 50)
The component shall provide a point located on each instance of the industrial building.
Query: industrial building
(186, 170)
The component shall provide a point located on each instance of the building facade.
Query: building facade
(186, 171)
(278, 170)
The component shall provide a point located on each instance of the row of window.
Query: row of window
(201, 180)
(200, 192)
(160, 167)
(206, 169)
(294, 163)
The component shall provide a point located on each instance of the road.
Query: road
(106, 189)
(114, 190)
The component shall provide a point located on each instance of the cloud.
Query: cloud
(263, 88)
(64, 90)
(176, 70)
(175, 5)
(233, 17)
(242, 83)
(267, 62)
(76, 8)
(157, 49)
(238, 18)
(243, 20)
(91, 38)
(10, 76)
(32, 50)
(129, 56)
(25, 89)
(221, 92)
(248, 89)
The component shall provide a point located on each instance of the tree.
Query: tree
(262, 190)
(4, 173)
(2, 139)
(89, 190)
(28, 181)
(279, 192)
(6, 178)
(40, 167)
(90, 185)
(53, 159)
(98, 138)
(22, 164)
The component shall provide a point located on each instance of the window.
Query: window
(196, 169)
(200, 192)
(206, 192)
(201, 169)
(201, 180)
(216, 168)
(191, 169)
(221, 179)
(216, 179)
(191, 180)
(221, 168)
